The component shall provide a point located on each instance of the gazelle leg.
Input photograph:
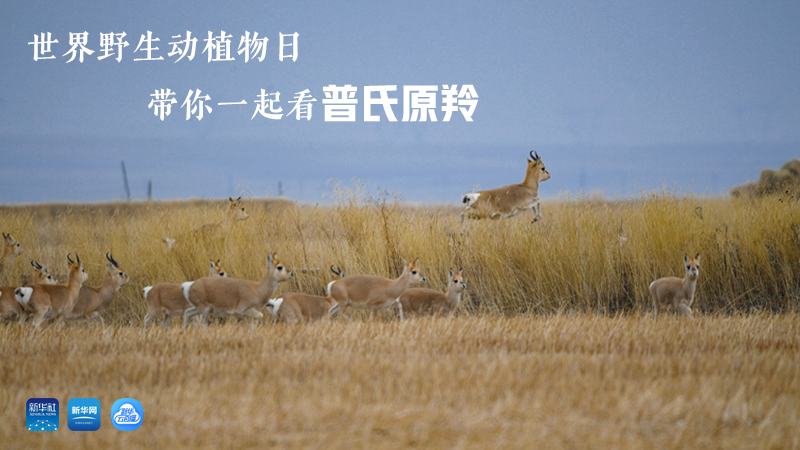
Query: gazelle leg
(399, 308)
(190, 312)
(685, 309)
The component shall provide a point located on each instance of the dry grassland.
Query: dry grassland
(585, 381)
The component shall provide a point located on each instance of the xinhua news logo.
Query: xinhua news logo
(41, 414)
(83, 414)
(127, 414)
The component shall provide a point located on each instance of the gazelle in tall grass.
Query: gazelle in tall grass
(229, 296)
(93, 300)
(509, 200)
(48, 301)
(11, 249)
(9, 308)
(219, 230)
(676, 292)
(294, 307)
(427, 301)
(373, 292)
(168, 298)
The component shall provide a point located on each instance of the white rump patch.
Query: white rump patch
(185, 289)
(146, 291)
(23, 295)
(471, 198)
(329, 287)
(274, 305)
(651, 285)
(169, 242)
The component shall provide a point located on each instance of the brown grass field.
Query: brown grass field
(553, 346)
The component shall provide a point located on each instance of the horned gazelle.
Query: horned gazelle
(229, 296)
(168, 298)
(427, 301)
(47, 301)
(509, 200)
(295, 307)
(219, 230)
(676, 292)
(373, 292)
(93, 300)
(9, 308)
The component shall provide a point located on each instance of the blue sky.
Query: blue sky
(617, 97)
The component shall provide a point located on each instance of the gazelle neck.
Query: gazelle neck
(399, 285)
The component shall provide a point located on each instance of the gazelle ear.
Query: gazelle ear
(461, 271)
(416, 261)
(451, 273)
(269, 261)
(405, 263)
(212, 264)
(697, 257)
(685, 258)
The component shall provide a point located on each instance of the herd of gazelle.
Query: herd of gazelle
(220, 295)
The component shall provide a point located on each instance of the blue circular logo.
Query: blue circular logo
(127, 414)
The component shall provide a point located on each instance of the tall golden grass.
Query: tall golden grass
(555, 381)
(586, 255)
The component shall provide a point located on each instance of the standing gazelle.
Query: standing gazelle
(295, 307)
(47, 301)
(11, 249)
(9, 308)
(509, 200)
(373, 292)
(229, 296)
(93, 300)
(216, 230)
(675, 292)
(427, 301)
(168, 297)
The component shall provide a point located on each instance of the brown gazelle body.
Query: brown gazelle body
(11, 249)
(427, 301)
(295, 307)
(9, 308)
(229, 296)
(92, 300)
(48, 301)
(168, 298)
(509, 200)
(676, 292)
(216, 230)
(373, 292)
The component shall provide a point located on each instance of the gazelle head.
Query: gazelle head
(692, 266)
(277, 269)
(217, 270)
(236, 210)
(76, 268)
(41, 274)
(412, 269)
(536, 168)
(457, 281)
(120, 278)
(11, 246)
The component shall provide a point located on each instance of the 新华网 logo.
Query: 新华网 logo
(41, 414)
(83, 414)
(127, 414)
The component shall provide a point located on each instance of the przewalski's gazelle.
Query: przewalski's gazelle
(427, 301)
(48, 301)
(11, 249)
(9, 308)
(509, 200)
(93, 300)
(218, 230)
(168, 298)
(373, 292)
(676, 292)
(295, 307)
(229, 296)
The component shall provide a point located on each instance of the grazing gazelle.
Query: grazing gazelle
(93, 300)
(229, 296)
(219, 229)
(168, 298)
(11, 249)
(295, 307)
(373, 292)
(676, 292)
(427, 301)
(9, 308)
(509, 200)
(47, 301)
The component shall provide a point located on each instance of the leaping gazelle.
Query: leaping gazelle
(509, 200)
